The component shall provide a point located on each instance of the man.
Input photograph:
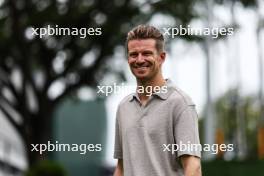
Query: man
(148, 125)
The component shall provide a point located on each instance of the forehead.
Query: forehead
(141, 44)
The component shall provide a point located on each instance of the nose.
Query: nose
(140, 58)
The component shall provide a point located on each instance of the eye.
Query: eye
(147, 53)
(133, 55)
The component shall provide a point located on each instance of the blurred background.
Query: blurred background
(48, 86)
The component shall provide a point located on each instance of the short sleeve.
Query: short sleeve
(186, 132)
(118, 140)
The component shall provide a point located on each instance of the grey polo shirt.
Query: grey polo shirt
(142, 131)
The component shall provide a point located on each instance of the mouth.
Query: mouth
(141, 67)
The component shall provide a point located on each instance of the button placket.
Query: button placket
(144, 112)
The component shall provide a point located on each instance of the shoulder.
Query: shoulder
(124, 105)
(125, 100)
(182, 102)
(180, 97)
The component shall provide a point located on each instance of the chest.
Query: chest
(156, 118)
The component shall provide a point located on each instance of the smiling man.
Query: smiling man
(147, 122)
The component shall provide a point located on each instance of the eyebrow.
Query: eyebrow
(147, 51)
(133, 52)
(140, 51)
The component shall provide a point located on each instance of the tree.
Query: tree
(254, 4)
(226, 112)
(30, 66)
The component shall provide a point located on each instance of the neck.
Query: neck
(156, 81)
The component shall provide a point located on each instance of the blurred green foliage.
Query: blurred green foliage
(46, 168)
(231, 168)
(228, 108)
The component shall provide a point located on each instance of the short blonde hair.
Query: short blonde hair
(146, 32)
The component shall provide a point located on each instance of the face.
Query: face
(144, 59)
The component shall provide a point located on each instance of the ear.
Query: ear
(162, 57)
(127, 58)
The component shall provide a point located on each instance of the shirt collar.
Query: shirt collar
(162, 95)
